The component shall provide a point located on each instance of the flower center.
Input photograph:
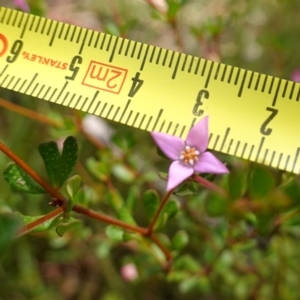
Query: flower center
(189, 155)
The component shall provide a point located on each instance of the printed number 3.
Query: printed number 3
(202, 94)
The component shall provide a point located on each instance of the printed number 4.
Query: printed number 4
(136, 85)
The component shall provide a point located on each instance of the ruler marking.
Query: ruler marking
(98, 104)
(49, 29)
(141, 123)
(133, 50)
(103, 41)
(224, 72)
(116, 113)
(264, 84)
(24, 82)
(44, 26)
(79, 35)
(35, 87)
(67, 32)
(41, 89)
(191, 64)
(209, 74)
(162, 126)
(3, 71)
(229, 146)
(150, 119)
(83, 104)
(244, 149)
(109, 111)
(21, 20)
(127, 48)
(193, 123)
(217, 71)
(287, 162)
(32, 22)
(176, 66)
(271, 86)
(184, 63)
(158, 56)
(216, 142)
(61, 30)
(78, 101)
(230, 74)
(242, 84)
(285, 88)
(52, 95)
(135, 119)
(296, 159)
(14, 87)
(172, 58)
(169, 127)
(129, 116)
(25, 25)
(250, 81)
(265, 156)
(73, 33)
(279, 160)
(97, 39)
(140, 51)
(276, 93)
(144, 58)
(9, 17)
(83, 41)
(113, 50)
(10, 81)
(165, 58)
(250, 154)
(91, 38)
(225, 138)
(272, 158)
(53, 34)
(182, 131)
(237, 76)
(16, 18)
(298, 95)
(61, 91)
(257, 82)
(292, 90)
(65, 98)
(121, 47)
(210, 137)
(46, 93)
(157, 119)
(259, 148)
(3, 17)
(152, 54)
(124, 111)
(71, 100)
(1, 84)
(93, 100)
(109, 42)
(31, 82)
(204, 67)
(197, 66)
(175, 129)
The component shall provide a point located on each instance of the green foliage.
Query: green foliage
(19, 180)
(151, 203)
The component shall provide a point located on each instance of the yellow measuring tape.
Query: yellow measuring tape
(252, 115)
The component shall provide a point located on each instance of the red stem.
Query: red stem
(209, 185)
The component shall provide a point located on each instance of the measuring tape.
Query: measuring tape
(252, 115)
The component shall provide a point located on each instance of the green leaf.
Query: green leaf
(125, 215)
(114, 233)
(215, 205)
(132, 197)
(41, 227)
(292, 189)
(51, 157)
(261, 182)
(151, 203)
(180, 240)
(163, 175)
(237, 180)
(122, 173)
(186, 263)
(98, 168)
(71, 186)
(19, 180)
(168, 212)
(186, 189)
(9, 226)
(68, 159)
(64, 226)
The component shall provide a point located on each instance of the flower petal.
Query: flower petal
(178, 172)
(208, 163)
(198, 135)
(170, 145)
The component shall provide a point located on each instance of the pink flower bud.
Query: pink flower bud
(129, 272)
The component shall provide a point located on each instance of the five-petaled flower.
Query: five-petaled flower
(188, 156)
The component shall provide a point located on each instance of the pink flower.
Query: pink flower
(188, 156)
(296, 75)
(129, 272)
(22, 4)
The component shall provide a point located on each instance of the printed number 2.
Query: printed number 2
(196, 111)
(263, 129)
(136, 85)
